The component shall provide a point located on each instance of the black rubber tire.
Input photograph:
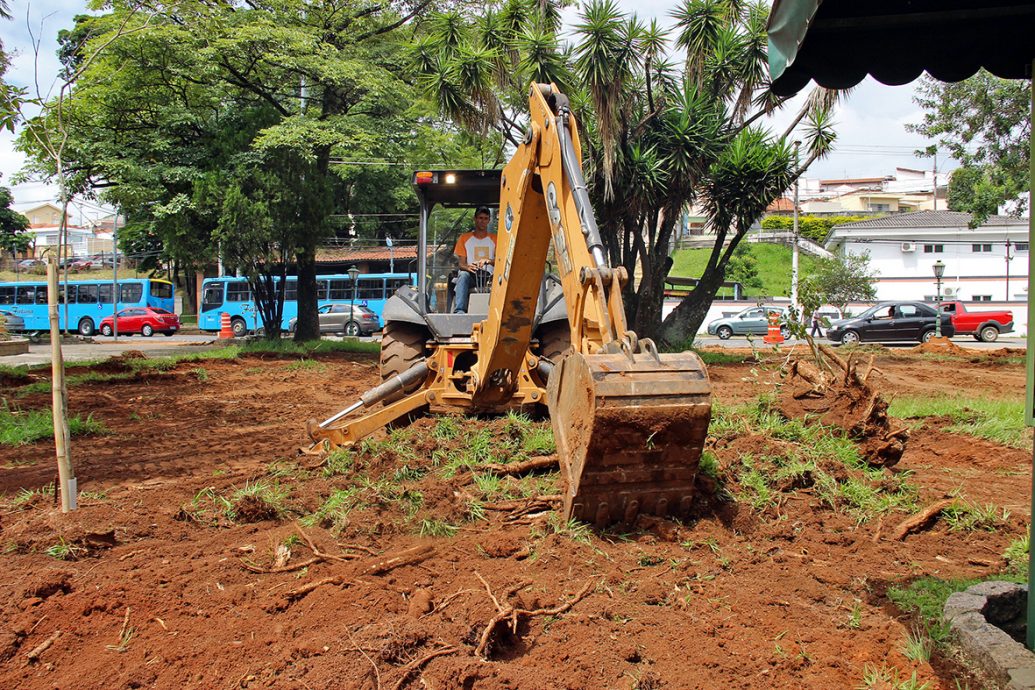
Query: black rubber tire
(106, 330)
(785, 332)
(926, 336)
(554, 340)
(169, 334)
(147, 330)
(850, 338)
(239, 327)
(989, 334)
(351, 329)
(402, 346)
(724, 332)
(86, 327)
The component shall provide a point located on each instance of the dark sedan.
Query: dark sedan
(889, 321)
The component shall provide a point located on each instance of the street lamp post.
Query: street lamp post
(939, 271)
(353, 275)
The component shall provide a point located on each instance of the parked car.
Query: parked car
(83, 265)
(345, 318)
(889, 321)
(29, 263)
(983, 325)
(753, 320)
(143, 320)
(13, 321)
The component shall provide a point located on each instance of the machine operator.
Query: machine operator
(475, 252)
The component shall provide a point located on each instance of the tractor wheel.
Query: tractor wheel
(402, 346)
(554, 340)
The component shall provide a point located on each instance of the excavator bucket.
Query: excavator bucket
(629, 429)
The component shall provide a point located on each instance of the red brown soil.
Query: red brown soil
(737, 599)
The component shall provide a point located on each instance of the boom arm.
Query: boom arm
(543, 196)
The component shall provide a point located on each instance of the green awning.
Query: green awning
(836, 43)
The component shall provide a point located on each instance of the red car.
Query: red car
(142, 320)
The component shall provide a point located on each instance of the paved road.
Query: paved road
(967, 342)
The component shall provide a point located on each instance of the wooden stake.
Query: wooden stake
(62, 437)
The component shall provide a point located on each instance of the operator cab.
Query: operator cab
(454, 195)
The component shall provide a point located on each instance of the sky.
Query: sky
(871, 136)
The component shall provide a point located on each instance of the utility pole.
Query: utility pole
(794, 238)
(936, 179)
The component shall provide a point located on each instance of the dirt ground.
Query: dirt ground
(159, 585)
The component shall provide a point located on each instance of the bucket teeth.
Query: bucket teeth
(629, 433)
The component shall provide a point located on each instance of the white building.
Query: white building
(985, 264)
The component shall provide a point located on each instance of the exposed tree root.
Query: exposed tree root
(513, 469)
(416, 664)
(839, 392)
(318, 557)
(379, 567)
(508, 611)
(921, 519)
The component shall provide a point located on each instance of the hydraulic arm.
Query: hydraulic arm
(629, 423)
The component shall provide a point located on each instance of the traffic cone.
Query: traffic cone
(225, 329)
(774, 336)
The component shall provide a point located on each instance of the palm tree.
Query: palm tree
(659, 135)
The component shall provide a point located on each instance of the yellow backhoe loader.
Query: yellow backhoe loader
(629, 423)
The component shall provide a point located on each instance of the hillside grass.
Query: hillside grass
(773, 262)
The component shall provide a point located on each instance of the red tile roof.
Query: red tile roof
(365, 254)
(781, 204)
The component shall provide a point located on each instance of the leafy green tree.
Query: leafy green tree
(842, 279)
(983, 122)
(10, 95)
(174, 106)
(743, 269)
(657, 135)
(13, 225)
(972, 189)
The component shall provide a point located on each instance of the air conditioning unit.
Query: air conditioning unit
(949, 292)
(909, 246)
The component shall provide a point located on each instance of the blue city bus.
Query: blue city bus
(234, 296)
(89, 301)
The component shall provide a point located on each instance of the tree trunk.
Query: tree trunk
(307, 327)
(681, 326)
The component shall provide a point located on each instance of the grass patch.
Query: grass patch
(771, 261)
(808, 456)
(925, 598)
(19, 428)
(75, 380)
(309, 347)
(64, 551)
(996, 420)
(307, 365)
(714, 357)
(890, 678)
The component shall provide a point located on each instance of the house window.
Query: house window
(982, 298)
(934, 248)
(883, 208)
(981, 248)
(1021, 246)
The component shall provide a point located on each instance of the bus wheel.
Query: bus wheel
(86, 327)
(239, 327)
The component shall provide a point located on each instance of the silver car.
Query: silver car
(753, 320)
(344, 318)
(12, 321)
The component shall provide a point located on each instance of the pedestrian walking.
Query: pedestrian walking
(816, 331)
